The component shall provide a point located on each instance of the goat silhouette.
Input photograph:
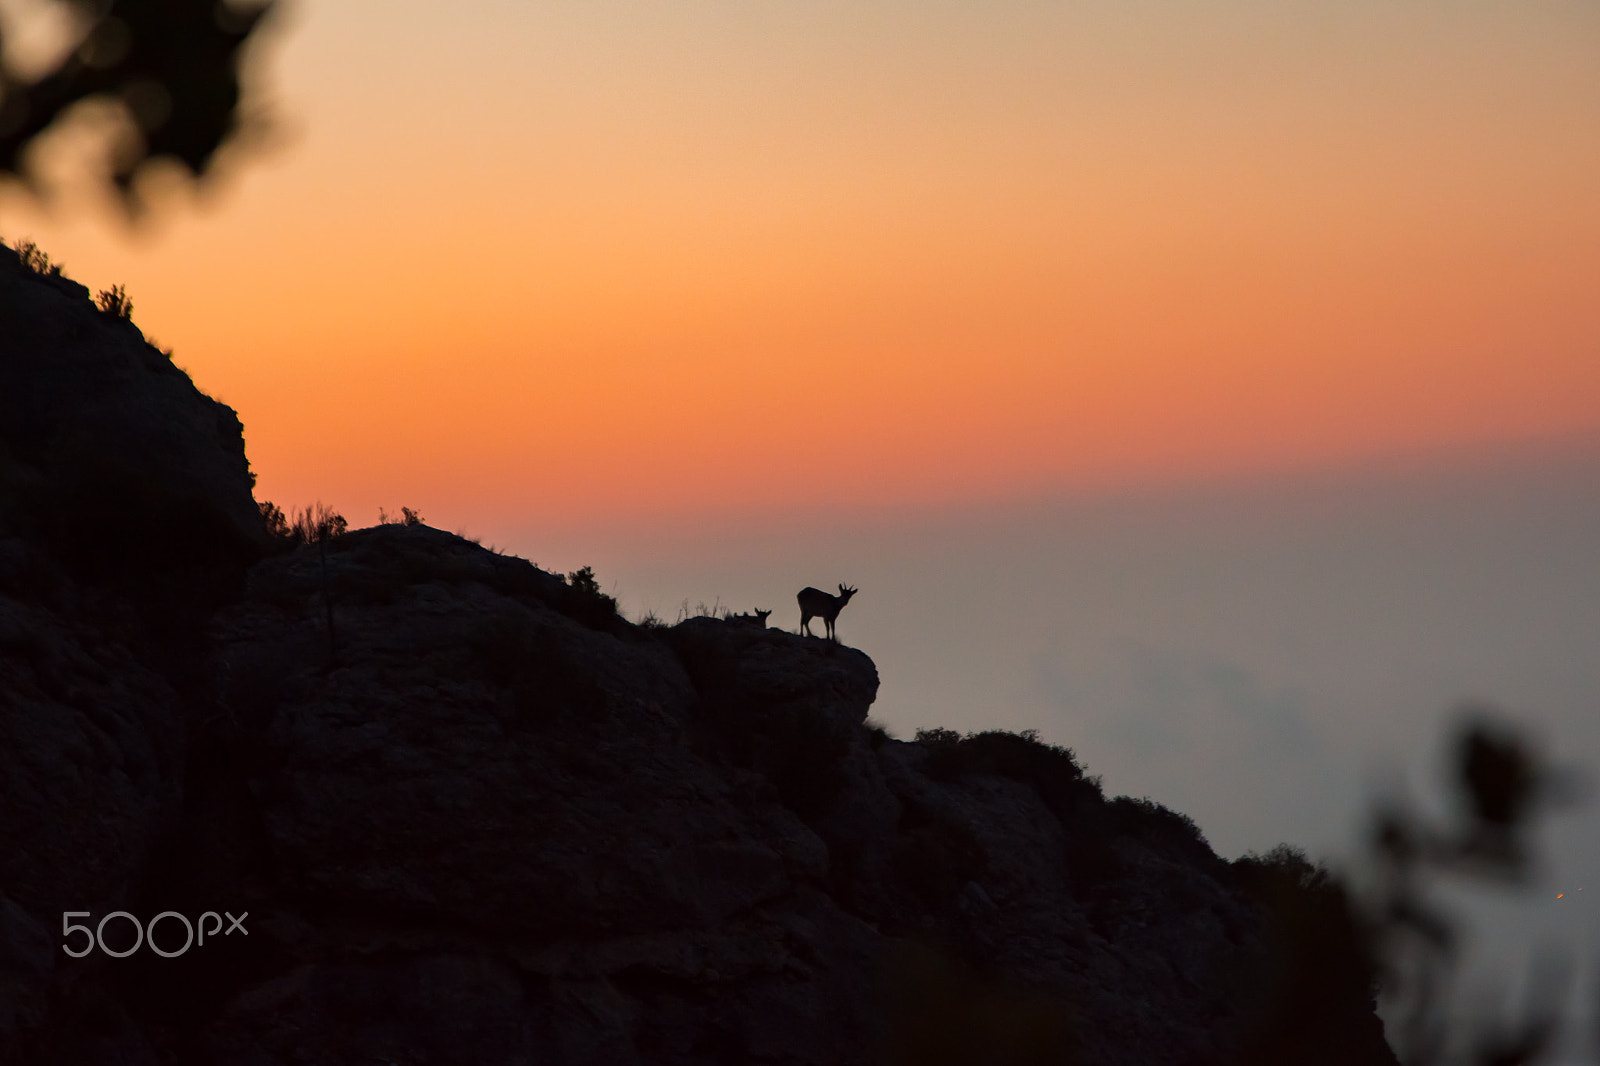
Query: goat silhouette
(814, 603)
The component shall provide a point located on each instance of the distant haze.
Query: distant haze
(1267, 655)
(1252, 652)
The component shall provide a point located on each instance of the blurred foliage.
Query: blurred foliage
(1502, 782)
(169, 67)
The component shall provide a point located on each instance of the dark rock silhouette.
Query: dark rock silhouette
(491, 821)
(109, 451)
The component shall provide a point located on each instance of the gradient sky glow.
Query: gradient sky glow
(549, 260)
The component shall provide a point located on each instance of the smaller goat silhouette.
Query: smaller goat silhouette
(758, 619)
(814, 603)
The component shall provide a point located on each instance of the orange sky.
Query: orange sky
(569, 261)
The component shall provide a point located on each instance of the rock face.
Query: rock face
(105, 446)
(125, 507)
(476, 817)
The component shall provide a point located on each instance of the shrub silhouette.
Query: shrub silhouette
(34, 258)
(406, 517)
(114, 302)
(1053, 771)
(316, 523)
(583, 602)
(1157, 825)
(275, 521)
(1318, 971)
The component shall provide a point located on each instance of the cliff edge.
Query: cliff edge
(471, 815)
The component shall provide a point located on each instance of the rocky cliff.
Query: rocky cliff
(471, 815)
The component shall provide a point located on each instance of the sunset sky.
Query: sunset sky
(1213, 386)
(576, 260)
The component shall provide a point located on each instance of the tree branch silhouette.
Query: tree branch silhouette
(171, 65)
